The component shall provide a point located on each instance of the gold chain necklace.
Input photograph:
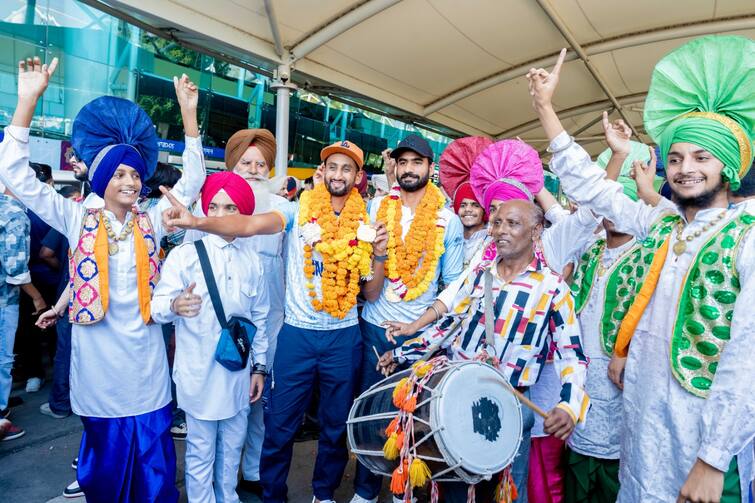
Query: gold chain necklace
(681, 242)
(112, 238)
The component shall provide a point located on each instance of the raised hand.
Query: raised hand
(187, 303)
(389, 166)
(542, 84)
(178, 215)
(617, 135)
(187, 92)
(33, 77)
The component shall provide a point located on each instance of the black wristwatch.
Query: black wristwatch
(258, 368)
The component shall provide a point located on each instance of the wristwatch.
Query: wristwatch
(258, 368)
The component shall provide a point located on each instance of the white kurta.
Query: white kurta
(204, 388)
(668, 428)
(599, 436)
(118, 365)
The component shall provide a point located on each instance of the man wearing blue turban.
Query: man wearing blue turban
(120, 386)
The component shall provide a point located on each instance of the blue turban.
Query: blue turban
(111, 131)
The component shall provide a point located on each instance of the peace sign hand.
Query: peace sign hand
(542, 84)
(33, 78)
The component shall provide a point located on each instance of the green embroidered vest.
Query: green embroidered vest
(706, 307)
(625, 278)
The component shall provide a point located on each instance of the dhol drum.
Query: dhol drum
(466, 425)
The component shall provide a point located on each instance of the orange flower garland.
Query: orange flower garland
(412, 260)
(345, 259)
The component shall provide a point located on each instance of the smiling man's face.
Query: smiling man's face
(694, 175)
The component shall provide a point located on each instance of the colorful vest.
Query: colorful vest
(706, 308)
(625, 278)
(88, 267)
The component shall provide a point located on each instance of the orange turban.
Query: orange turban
(242, 140)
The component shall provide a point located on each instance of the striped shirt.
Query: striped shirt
(533, 313)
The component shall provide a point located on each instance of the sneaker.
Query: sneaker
(73, 490)
(75, 463)
(315, 500)
(47, 411)
(5, 413)
(33, 384)
(251, 486)
(359, 499)
(178, 432)
(9, 431)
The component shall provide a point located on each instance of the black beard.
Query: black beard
(413, 186)
(702, 201)
(338, 193)
(81, 176)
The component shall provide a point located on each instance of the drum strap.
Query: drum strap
(489, 313)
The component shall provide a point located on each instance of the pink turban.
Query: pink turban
(508, 169)
(457, 159)
(236, 187)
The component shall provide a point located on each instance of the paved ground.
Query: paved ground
(37, 467)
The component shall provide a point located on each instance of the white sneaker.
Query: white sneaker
(315, 500)
(33, 384)
(359, 499)
(73, 490)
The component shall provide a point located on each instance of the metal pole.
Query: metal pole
(283, 87)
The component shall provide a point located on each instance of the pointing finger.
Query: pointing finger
(653, 159)
(559, 62)
(190, 288)
(606, 124)
(52, 66)
(166, 192)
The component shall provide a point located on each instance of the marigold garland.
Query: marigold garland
(345, 259)
(412, 260)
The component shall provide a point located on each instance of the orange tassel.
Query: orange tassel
(400, 392)
(400, 439)
(410, 404)
(399, 478)
(392, 427)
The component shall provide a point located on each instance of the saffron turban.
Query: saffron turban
(242, 140)
(110, 131)
(236, 187)
(703, 93)
(457, 159)
(508, 169)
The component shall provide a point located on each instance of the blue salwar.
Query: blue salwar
(128, 459)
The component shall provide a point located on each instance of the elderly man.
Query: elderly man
(532, 308)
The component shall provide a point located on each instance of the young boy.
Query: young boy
(215, 399)
(120, 385)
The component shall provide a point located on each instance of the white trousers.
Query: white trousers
(213, 453)
(255, 434)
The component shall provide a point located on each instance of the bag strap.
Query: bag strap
(212, 287)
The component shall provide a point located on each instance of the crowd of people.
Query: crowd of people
(626, 316)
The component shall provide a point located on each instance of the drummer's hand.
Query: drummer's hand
(395, 329)
(386, 364)
(616, 371)
(558, 423)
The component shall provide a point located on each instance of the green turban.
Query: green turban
(704, 93)
(638, 152)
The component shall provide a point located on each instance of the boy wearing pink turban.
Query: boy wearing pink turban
(216, 400)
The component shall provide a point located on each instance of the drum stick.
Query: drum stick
(526, 401)
(376, 352)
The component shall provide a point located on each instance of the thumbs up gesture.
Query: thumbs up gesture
(187, 303)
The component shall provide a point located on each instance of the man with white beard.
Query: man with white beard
(250, 153)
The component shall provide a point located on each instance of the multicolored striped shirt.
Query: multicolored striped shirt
(534, 313)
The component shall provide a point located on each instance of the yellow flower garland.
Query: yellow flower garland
(345, 259)
(411, 265)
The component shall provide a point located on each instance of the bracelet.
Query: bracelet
(437, 313)
(380, 258)
(260, 369)
(551, 151)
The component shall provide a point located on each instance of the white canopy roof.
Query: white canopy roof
(458, 64)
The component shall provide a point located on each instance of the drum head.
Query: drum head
(481, 419)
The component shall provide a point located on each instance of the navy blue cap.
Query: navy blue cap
(415, 143)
